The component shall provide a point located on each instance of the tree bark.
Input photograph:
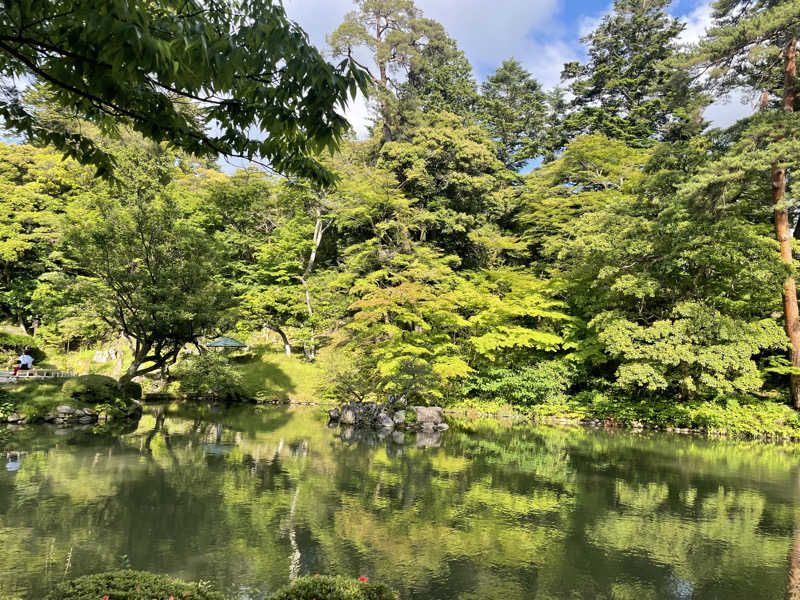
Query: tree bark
(22, 324)
(783, 230)
(286, 345)
(384, 81)
(319, 229)
(131, 371)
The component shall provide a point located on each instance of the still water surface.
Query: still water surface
(248, 499)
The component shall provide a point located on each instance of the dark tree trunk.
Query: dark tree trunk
(131, 371)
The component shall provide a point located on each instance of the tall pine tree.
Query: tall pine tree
(514, 110)
(753, 45)
(627, 90)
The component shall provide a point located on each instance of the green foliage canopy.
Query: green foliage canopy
(241, 63)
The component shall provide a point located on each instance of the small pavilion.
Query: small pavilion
(225, 342)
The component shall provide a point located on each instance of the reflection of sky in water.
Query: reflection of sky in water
(488, 510)
(682, 589)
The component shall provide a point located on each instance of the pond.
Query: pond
(247, 499)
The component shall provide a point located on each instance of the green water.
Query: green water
(247, 500)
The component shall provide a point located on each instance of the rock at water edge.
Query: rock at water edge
(348, 416)
(429, 414)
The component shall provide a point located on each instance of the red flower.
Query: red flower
(105, 597)
(363, 579)
(171, 598)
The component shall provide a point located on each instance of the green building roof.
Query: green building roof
(225, 342)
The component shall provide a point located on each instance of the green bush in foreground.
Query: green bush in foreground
(131, 585)
(140, 585)
(334, 588)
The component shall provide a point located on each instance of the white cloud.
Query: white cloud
(726, 111)
(360, 116)
(588, 23)
(492, 31)
(696, 22)
(487, 31)
(736, 105)
(533, 32)
(546, 61)
(318, 17)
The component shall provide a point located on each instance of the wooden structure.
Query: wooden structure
(9, 377)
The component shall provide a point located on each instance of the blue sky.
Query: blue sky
(542, 34)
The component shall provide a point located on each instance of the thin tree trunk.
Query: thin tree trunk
(783, 230)
(319, 229)
(286, 345)
(384, 82)
(21, 322)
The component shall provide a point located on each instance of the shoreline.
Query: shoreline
(501, 415)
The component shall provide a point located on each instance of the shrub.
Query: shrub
(130, 585)
(131, 390)
(12, 344)
(94, 389)
(334, 588)
(209, 375)
(6, 405)
(545, 381)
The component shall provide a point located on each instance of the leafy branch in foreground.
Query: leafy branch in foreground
(242, 62)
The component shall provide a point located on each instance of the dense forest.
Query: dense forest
(596, 247)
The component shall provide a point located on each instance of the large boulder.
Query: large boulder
(429, 414)
(348, 416)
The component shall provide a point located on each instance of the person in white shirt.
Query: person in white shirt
(24, 362)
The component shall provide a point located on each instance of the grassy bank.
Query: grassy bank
(33, 399)
(742, 417)
(275, 376)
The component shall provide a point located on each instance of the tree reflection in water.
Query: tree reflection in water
(249, 499)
